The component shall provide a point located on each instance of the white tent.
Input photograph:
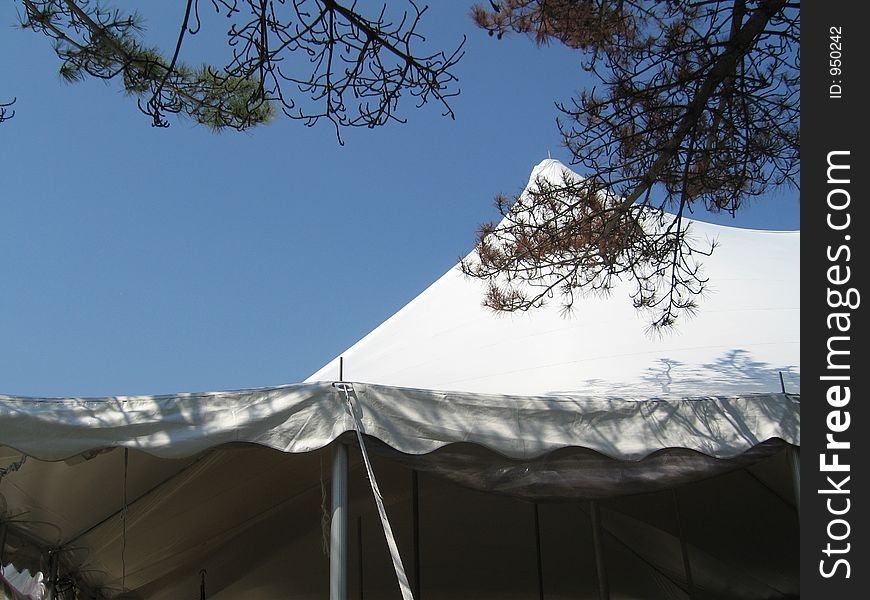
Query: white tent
(746, 333)
(525, 456)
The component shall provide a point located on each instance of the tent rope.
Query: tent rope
(404, 586)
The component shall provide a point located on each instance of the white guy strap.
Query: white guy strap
(404, 587)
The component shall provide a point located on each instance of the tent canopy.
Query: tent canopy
(528, 384)
(533, 407)
(444, 370)
(746, 332)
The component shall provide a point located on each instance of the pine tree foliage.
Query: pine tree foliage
(696, 107)
(6, 111)
(312, 60)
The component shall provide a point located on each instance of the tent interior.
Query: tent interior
(252, 518)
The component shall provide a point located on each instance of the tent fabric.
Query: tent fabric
(20, 585)
(251, 517)
(519, 385)
(532, 407)
(573, 474)
(305, 417)
(745, 334)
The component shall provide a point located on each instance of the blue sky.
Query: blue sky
(136, 260)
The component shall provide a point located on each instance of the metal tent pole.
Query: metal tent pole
(415, 529)
(794, 461)
(51, 591)
(3, 530)
(598, 546)
(338, 525)
(684, 545)
(359, 552)
(540, 563)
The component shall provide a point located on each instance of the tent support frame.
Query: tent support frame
(338, 525)
(4, 529)
(794, 463)
(359, 552)
(598, 548)
(51, 587)
(538, 556)
(684, 545)
(415, 529)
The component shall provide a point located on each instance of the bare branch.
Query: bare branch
(312, 59)
(6, 113)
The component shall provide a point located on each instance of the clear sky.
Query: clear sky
(136, 260)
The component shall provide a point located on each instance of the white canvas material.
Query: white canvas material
(15, 585)
(305, 417)
(745, 333)
(534, 406)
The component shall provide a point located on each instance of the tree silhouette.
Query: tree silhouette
(698, 106)
(6, 111)
(310, 59)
